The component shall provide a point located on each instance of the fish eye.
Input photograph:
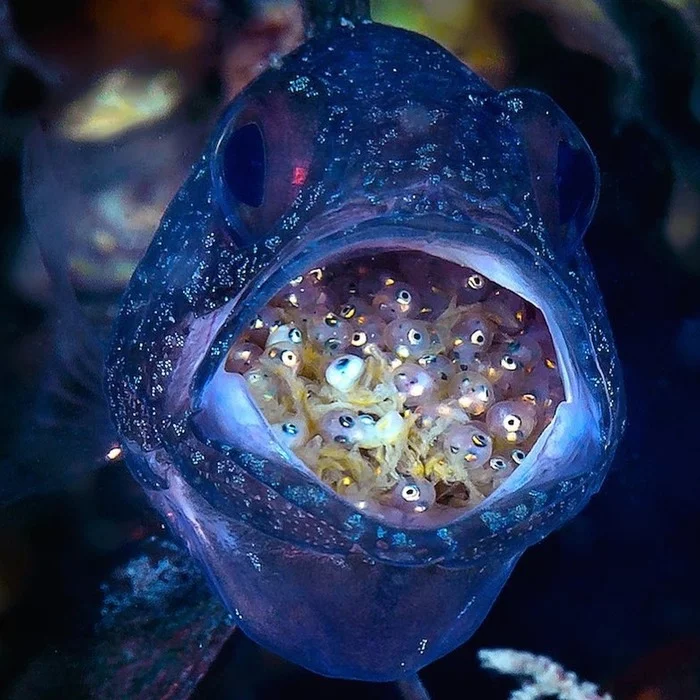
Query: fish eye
(403, 296)
(410, 493)
(290, 429)
(331, 320)
(244, 165)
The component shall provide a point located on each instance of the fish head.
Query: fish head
(364, 148)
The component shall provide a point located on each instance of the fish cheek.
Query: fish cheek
(564, 174)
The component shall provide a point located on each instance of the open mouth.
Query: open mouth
(403, 381)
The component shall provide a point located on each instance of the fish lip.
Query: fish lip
(414, 235)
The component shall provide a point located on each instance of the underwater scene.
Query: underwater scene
(348, 347)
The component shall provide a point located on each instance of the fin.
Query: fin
(67, 429)
(159, 631)
(322, 15)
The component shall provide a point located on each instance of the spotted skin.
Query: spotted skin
(407, 147)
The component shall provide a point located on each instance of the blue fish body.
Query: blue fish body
(374, 138)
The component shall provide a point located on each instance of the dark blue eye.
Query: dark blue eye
(576, 184)
(244, 165)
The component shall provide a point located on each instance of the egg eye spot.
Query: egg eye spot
(289, 359)
(518, 456)
(512, 422)
(480, 440)
(348, 311)
(508, 363)
(410, 493)
(414, 336)
(475, 281)
(477, 338)
(295, 335)
(346, 421)
(359, 338)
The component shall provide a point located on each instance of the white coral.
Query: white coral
(547, 677)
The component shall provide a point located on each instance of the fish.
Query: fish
(366, 144)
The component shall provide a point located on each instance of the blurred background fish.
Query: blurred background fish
(125, 93)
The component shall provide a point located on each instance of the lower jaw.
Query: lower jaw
(417, 475)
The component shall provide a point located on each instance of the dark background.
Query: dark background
(614, 595)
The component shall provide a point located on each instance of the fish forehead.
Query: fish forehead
(395, 110)
(369, 74)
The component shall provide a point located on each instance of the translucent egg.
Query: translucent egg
(344, 427)
(284, 355)
(385, 431)
(292, 433)
(440, 368)
(427, 414)
(368, 329)
(353, 309)
(329, 331)
(306, 292)
(415, 384)
(242, 357)
(473, 330)
(263, 386)
(413, 495)
(526, 351)
(374, 281)
(474, 392)
(268, 318)
(471, 286)
(400, 300)
(345, 286)
(434, 302)
(507, 310)
(348, 428)
(344, 372)
(287, 333)
(408, 338)
(467, 446)
(539, 386)
(512, 421)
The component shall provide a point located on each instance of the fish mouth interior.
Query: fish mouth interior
(410, 385)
